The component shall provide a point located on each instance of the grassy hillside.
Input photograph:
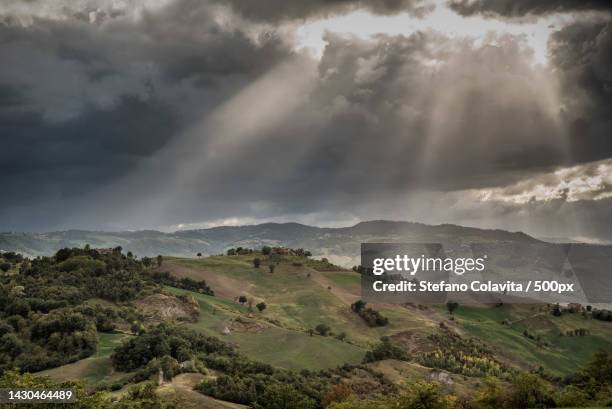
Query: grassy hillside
(559, 354)
(277, 343)
(298, 297)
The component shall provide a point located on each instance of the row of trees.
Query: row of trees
(372, 317)
(185, 283)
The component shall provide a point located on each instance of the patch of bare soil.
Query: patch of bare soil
(413, 341)
(365, 383)
(158, 308)
(180, 389)
(241, 324)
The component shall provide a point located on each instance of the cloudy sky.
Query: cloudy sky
(173, 114)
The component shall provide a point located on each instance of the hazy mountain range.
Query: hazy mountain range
(339, 244)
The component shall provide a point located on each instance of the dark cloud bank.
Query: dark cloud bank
(185, 114)
(521, 8)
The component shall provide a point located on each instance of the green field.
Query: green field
(299, 298)
(275, 345)
(107, 342)
(94, 369)
(561, 356)
(298, 301)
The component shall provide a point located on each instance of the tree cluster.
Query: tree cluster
(185, 283)
(372, 317)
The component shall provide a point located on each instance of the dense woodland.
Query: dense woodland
(47, 318)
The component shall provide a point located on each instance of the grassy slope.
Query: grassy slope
(564, 354)
(297, 302)
(94, 369)
(276, 345)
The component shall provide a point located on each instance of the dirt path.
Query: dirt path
(182, 386)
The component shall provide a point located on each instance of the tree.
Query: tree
(160, 260)
(266, 250)
(283, 397)
(425, 395)
(5, 267)
(385, 349)
(242, 299)
(15, 380)
(452, 306)
(528, 391)
(261, 306)
(271, 267)
(323, 329)
(600, 368)
(199, 254)
(358, 305)
(338, 393)
(256, 262)
(492, 396)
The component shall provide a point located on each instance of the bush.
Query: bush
(528, 391)
(323, 329)
(385, 349)
(283, 397)
(372, 317)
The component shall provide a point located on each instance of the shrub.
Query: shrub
(385, 349)
(323, 329)
(283, 397)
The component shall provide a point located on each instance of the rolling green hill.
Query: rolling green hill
(308, 334)
(300, 297)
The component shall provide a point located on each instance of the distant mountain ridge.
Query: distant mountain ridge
(342, 244)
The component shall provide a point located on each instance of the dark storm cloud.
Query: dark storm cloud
(183, 113)
(380, 117)
(521, 8)
(437, 110)
(274, 11)
(582, 55)
(72, 157)
(182, 39)
(83, 104)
